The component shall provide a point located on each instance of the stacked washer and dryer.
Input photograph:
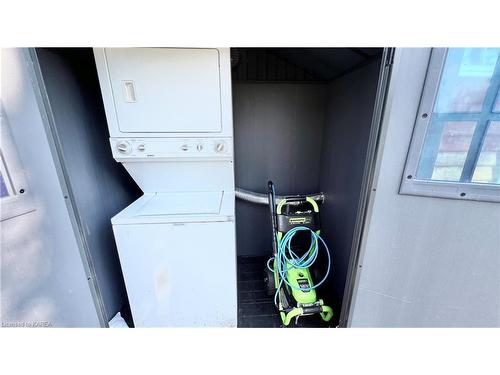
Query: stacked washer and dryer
(170, 121)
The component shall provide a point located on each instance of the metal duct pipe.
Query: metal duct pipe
(259, 198)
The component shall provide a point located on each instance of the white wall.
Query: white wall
(42, 274)
(425, 261)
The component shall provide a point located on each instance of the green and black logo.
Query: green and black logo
(299, 220)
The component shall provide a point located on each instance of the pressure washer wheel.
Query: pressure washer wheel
(269, 281)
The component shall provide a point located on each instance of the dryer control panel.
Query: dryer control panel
(172, 148)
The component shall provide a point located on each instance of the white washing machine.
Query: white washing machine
(170, 121)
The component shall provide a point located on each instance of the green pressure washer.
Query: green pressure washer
(289, 276)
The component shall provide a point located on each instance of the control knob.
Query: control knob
(124, 147)
(220, 147)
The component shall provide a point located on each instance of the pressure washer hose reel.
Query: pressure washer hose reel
(296, 246)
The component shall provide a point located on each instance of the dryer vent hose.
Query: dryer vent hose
(259, 198)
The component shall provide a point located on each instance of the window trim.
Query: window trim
(7, 180)
(17, 203)
(410, 185)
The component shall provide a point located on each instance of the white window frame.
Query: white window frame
(20, 199)
(410, 185)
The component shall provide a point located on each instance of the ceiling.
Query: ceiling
(298, 64)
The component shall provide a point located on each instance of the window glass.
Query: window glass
(3, 187)
(465, 79)
(461, 143)
(5, 184)
(487, 169)
(445, 150)
(496, 108)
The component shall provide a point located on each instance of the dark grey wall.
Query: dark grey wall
(101, 186)
(277, 133)
(349, 112)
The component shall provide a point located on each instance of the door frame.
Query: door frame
(373, 152)
(57, 155)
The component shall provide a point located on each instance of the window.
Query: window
(455, 150)
(15, 197)
(5, 185)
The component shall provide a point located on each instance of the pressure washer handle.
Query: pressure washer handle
(272, 211)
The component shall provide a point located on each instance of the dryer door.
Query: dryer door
(165, 90)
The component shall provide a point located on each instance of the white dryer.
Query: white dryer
(170, 121)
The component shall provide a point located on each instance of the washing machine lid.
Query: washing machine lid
(190, 203)
(178, 207)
